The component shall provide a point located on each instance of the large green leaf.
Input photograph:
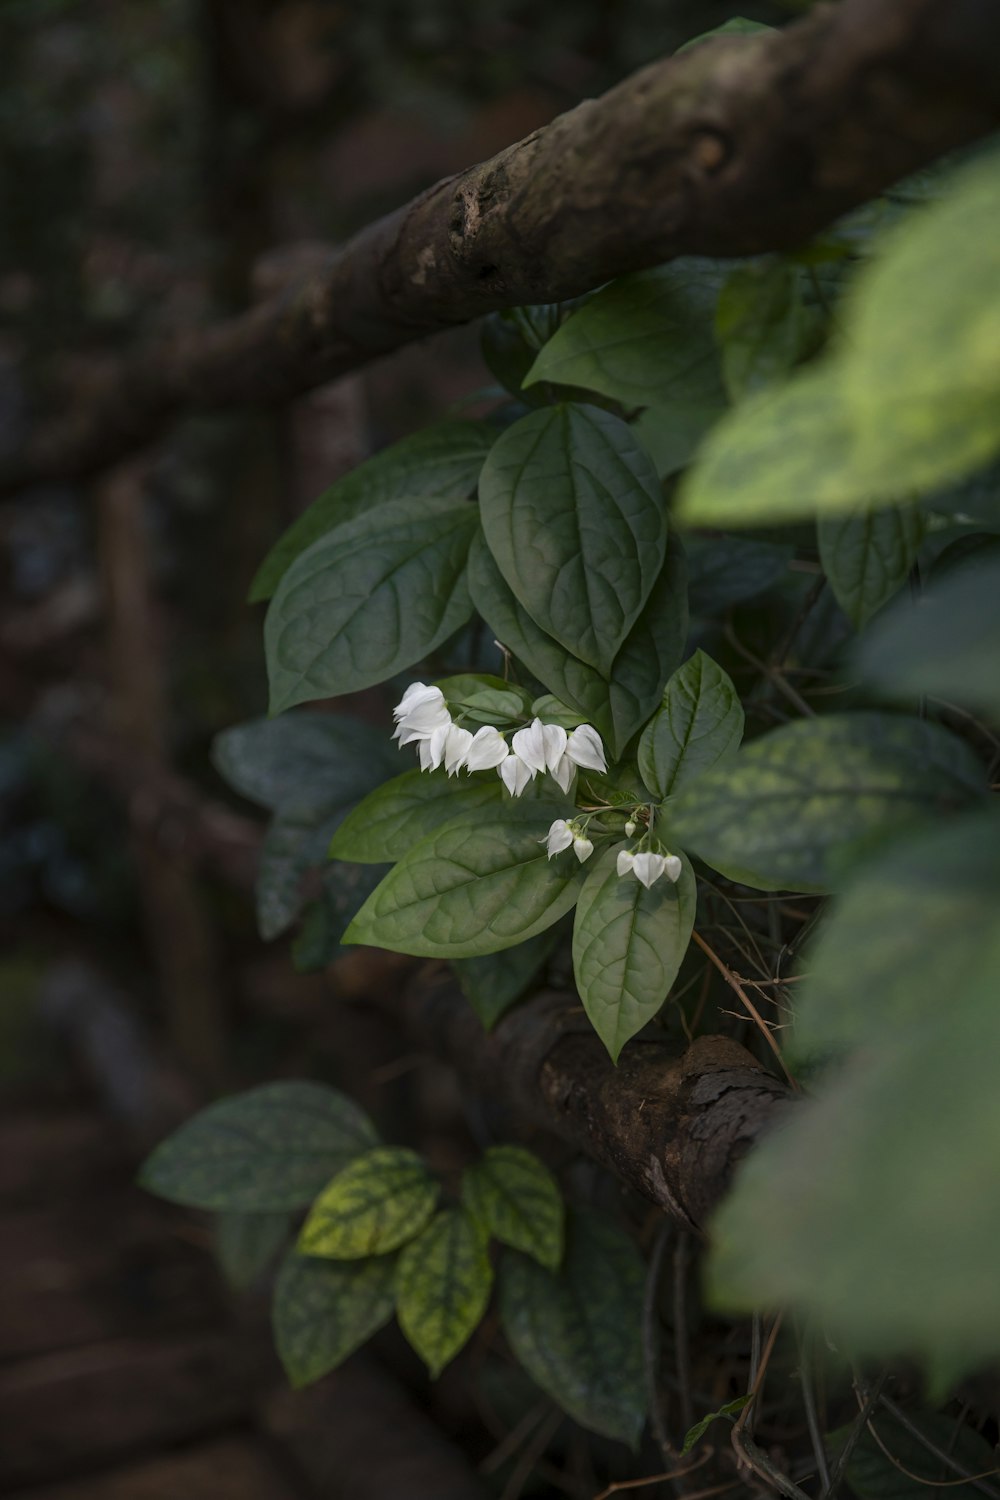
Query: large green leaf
(294, 843)
(493, 983)
(628, 944)
(645, 340)
(440, 462)
(309, 761)
(793, 801)
(867, 557)
(269, 1149)
(368, 600)
(761, 324)
(343, 891)
(325, 1309)
(443, 1286)
(946, 644)
(725, 570)
(892, 1464)
(474, 886)
(376, 1204)
(517, 1200)
(578, 1331)
(700, 723)
(400, 812)
(573, 515)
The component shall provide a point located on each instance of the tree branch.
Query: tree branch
(739, 146)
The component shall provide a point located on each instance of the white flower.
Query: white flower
(560, 836)
(648, 867)
(582, 847)
(419, 713)
(630, 828)
(557, 762)
(430, 747)
(515, 774)
(585, 749)
(416, 694)
(626, 859)
(529, 745)
(456, 747)
(487, 749)
(672, 868)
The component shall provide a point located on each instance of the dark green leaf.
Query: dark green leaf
(903, 1468)
(270, 1149)
(386, 825)
(697, 1432)
(493, 983)
(247, 1244)
(510, 341)
(725, 570)
(443, 1286)
(578, 1332)
(672, 434)
(761, 324)
(628, 944)
(345, 889)
(474, 886)
(294, 843)
(374, 1205)
(867, 557)
(700, 723)
(573, 515)
(780, 814)
(370, 599)
(440, 462)
(325, 1309)
(310, 761)
(517, 1200)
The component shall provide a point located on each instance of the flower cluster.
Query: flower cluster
(423, 718)
(644, 864)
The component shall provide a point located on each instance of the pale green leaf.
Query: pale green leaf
(443, 1285)
(269, 1149)
(700, 723)
(495, 982)
(374, 1205)
(438, 463)
(325, 1309)
(368, 600)
(867, 557)
(573, 515)
(474, 886)
(386, 825)
(517, 1200)
(780, 814)
(628, 944)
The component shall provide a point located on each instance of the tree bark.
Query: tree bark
(735, 147)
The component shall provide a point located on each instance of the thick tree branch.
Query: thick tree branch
(732, 148)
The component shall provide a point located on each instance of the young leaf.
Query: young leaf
(371, 598)
(697, 1432)
(517, 1200)
(761, 324)
(313, 762)
(440, 462)
(778, 816)
(374, 1205)
(247, 1244)
(443, 1286)
(700, 724)
(578, 1332)
(474, 886)
(493, 983)
(270, 1149)
(867, 557)
(628, 944)
(325, 1309)
(573, 515)
(386, 825)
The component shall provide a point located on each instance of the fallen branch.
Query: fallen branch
(732, 148)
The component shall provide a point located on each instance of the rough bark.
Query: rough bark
(671, 1125)
(735, 147)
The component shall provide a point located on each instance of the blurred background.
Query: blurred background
(164, 163)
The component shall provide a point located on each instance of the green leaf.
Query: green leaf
(344, 890)
(697, 1432)
(294, 843)
(270, 1149)
(493, 983)
(313, 762)
(247, 1244)
(374, 1205)
(440, 462)
(628, 944)
(779, 815)
(735, 26)
(479, 698)
(517, 1200)
(386, 825)
(578, 1332)
(726, 570)
(761, 324)
(672, 434)
(645, 340)
(700, 724)
(323, 1310)
(474, 886)
(868, 556)
(573, 515)
(370, 599)
(443, 1286)
(946, 644)
(887, 1472)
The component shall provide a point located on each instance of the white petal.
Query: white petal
(456, 746)
(625, 861)
(515, 775)
(426, 717)
(563, 772)
(560, 837)
(424, 751)
(672, 868)
(435, 747)
(585, 748)
(529, 744)
(648, 867)
(488, 749)
(416, 693)
(582, 848)
(554, 745)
